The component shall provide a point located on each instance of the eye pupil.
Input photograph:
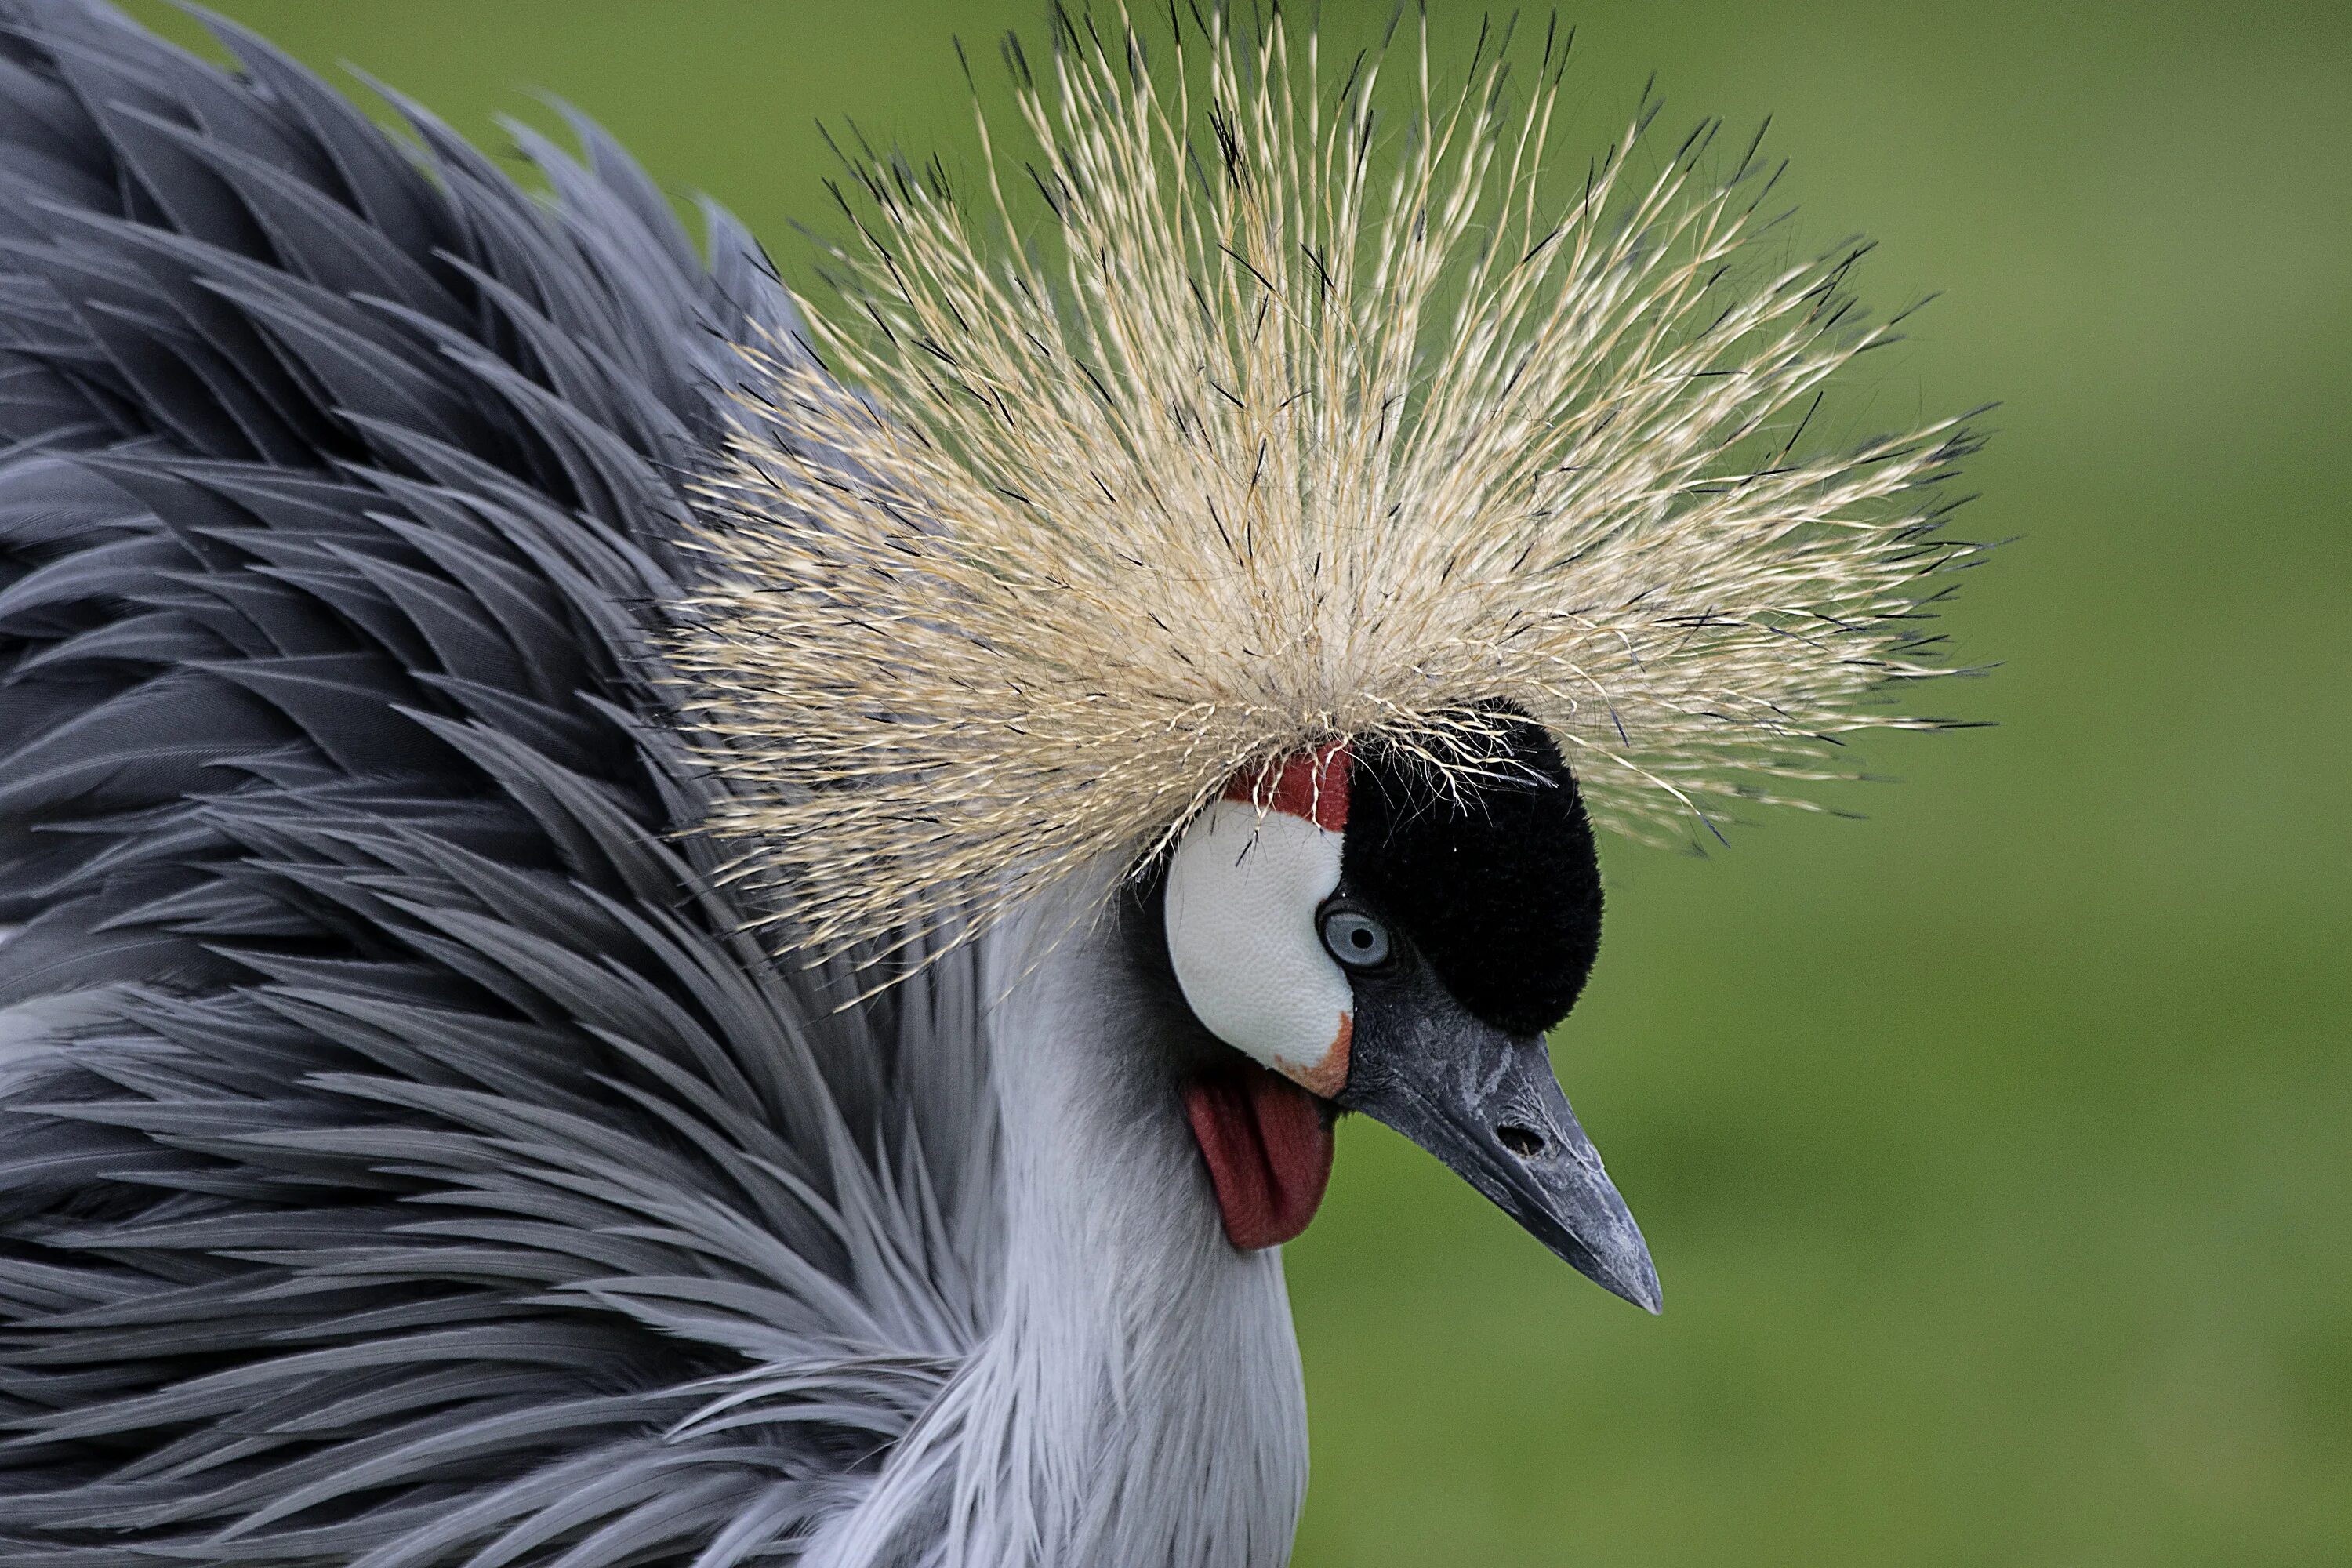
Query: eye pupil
(1354, 937)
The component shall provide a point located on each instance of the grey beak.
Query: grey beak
(1488, 1105)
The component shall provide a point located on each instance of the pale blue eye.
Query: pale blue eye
(1356, 938)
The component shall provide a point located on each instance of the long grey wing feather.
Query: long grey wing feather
(405, 1157)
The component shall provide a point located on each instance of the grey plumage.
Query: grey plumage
(403, 1159)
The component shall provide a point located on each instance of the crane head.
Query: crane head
(1371, 932)
(1027, 551)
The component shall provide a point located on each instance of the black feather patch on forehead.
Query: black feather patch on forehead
(1499, 888)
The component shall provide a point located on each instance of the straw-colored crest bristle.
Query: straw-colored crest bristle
(1292, 430)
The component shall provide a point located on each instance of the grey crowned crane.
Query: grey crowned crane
(655, 925)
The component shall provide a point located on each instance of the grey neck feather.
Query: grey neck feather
(1139, 1398)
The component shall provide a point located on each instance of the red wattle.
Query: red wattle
(1269, 1148)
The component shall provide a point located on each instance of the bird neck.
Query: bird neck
(1139, 1397)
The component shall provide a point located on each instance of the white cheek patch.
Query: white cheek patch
(1244, 886)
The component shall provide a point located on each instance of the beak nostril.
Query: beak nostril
(1523, 1141)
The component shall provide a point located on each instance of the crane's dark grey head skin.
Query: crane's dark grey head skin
(1367, 938)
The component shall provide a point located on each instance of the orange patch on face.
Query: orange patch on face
(1329, 1076)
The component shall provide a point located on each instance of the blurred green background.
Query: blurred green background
(1996, 1151)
